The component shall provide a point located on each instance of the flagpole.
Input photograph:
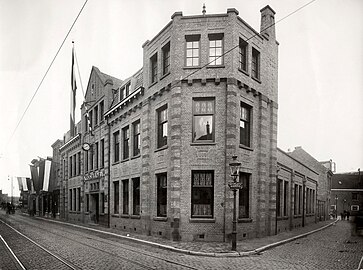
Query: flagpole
(73, 96)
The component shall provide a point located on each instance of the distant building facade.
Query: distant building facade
(152, 152)
(347, 192)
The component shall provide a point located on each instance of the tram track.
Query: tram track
(62, 233)
(14, 243)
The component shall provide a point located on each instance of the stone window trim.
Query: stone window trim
(244, 220)
(161, 219)
(201, 220)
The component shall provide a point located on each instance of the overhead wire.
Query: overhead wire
(184, 78)
(236, 46)
(46, 73)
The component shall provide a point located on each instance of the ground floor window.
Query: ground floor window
(102, 203)
(87, 202)
(116, 191)
(202, 194)
(70, 203)
(125, 197)
(79, 199)
(136, 196)
(161, 195)
(244, 196)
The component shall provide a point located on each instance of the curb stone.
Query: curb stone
(198, 253)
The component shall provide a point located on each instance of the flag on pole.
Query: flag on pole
(89, 125)
(73, 96)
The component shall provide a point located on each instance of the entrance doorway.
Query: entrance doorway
(94, 208)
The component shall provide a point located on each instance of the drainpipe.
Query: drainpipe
(277, 182)
(109, 176)
(303, 202)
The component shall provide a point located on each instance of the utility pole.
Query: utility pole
(11, 178)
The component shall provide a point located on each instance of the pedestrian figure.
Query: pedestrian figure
(348, 214)
(341, 215)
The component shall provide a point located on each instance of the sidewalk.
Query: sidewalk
(213, 249)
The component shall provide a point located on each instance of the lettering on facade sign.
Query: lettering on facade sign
(93, 175)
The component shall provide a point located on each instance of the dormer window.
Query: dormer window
(125, 91)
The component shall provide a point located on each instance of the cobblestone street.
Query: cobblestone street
(332, 248)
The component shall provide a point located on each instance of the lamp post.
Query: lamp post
(336, 206)
(234, 186)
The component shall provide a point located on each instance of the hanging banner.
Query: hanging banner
(47, 166)
(25, 186)
(35, 177)
(20, 182)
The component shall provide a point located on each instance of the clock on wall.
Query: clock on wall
(86, 146)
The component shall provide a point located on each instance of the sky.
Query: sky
(320, 69)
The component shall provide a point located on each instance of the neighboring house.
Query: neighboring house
(347, 192)
(84, 189)
(324, 169)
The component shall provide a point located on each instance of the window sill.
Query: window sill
(152, 84)
(202, 220)
(124, 160)
(203, 143)
(192, 67)
(165, 75)
(161, 148)
(244, 72)
(310, 215)
(244, 220)
(216, 66)
(124, 215)
(160, 219)
(115, 215)
(297, 216)
(86, 213)
(134, 157)
(256, 79)
(135, 216)
(102, 214)
(283, 218)
(245, 147)
(116, 162)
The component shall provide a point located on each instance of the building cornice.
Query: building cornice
(133, 96)
(70, 142)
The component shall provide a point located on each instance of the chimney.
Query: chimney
(268, 22)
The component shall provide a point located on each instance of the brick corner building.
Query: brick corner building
(209, 91)
(152, 151)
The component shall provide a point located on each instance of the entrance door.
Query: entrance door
(95, 208)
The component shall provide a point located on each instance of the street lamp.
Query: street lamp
(336, 206)
(234, 186)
